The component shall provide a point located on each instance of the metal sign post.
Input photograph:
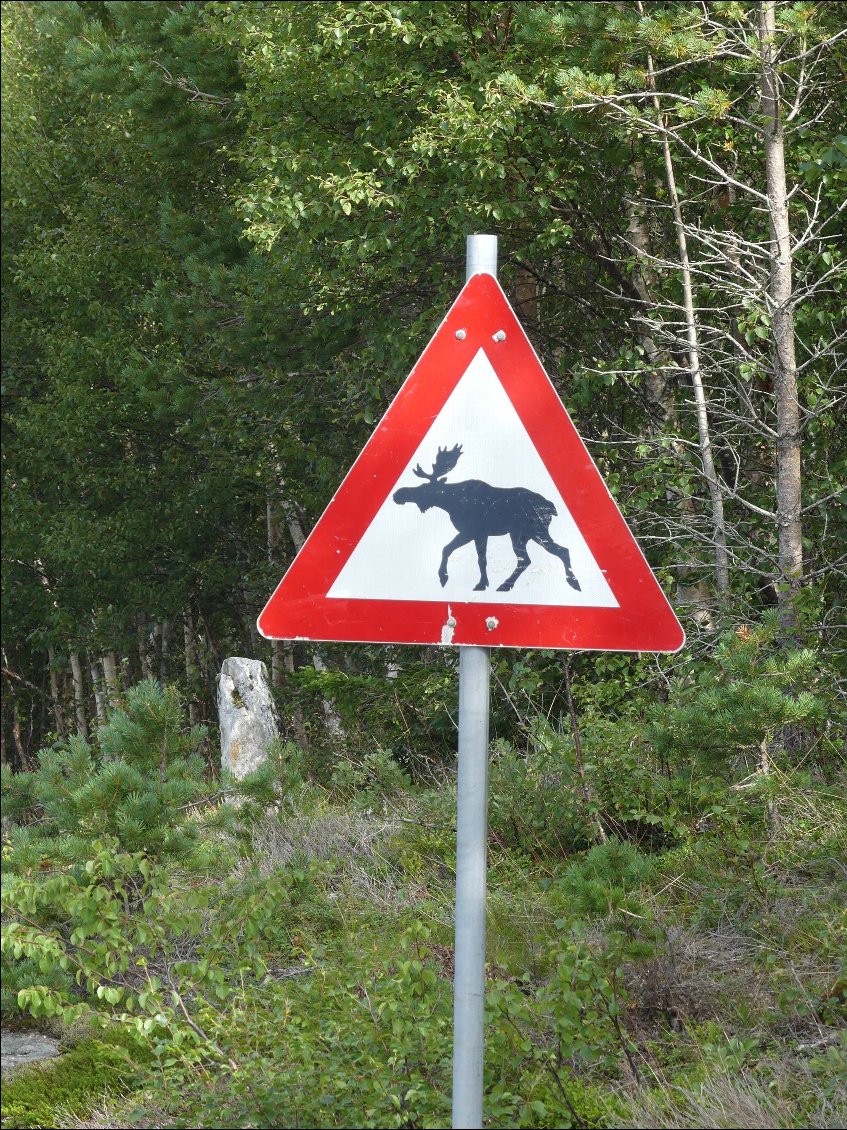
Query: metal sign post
(471, 839)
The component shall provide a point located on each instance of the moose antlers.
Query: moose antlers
(445, 461)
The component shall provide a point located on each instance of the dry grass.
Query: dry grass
(331, 834)
(355, 842)
(740, 1101)
(106, 1117)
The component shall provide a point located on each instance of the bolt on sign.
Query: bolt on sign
(474, 515)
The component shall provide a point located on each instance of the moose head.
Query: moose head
(431, 492)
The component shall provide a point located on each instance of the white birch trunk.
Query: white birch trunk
(111, 678)
(695, 374)
(79, 695)
(694, 365)
(788, 452)
(662, 409)
(99, 694)
(56, 694)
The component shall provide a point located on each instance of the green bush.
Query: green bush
(140, 937)
(605, 880)
(535, 803)
(760, 702)
(546, 1040)
(136, 785)
(370, 779)
(87, 824)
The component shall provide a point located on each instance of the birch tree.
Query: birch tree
(721, 92)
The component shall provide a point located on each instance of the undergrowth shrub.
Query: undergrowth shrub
(547, 1041)
(140, 937)
(370, 779)
(88, 821)
(754, 702)
(410, 716)
(535, 805)
(106, 845)
(136, 784)
(606, 879)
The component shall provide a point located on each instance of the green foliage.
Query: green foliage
(355, 971)
(373, 778)
(365, 1043)
(408, 715)
(136, 786)
(556, 1031)
(605, 880)
(759, 697)
(90, 830)
(138, 942)
(535, 804)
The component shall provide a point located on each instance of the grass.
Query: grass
(726, 956)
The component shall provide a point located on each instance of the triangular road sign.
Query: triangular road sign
(474, 515)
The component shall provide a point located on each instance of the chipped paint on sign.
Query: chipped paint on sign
(449, 627)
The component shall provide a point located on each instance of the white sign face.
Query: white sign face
(497, 470)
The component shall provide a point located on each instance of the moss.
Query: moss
(71, 1083)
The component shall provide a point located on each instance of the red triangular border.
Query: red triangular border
(300, 608)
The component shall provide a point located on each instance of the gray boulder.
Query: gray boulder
(247, 715)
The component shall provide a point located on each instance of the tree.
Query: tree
(724, 79)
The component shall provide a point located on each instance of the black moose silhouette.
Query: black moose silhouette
(480, 511)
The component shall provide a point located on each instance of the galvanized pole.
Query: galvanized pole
(471, 839)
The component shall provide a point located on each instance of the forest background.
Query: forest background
(228, 230)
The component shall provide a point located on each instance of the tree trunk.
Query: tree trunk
(695, 374)
(788, 463)
(55, 694)
(110, 674)
(192, 672)
(334, 725)
(282, 651)
(17, 737)
(99, 695)
(694, 365)
(526, 297)
(661, 408)
(164, 634)
(16, 734)
(278, 650)
(79, 695)
(252, 632)
(143, 647)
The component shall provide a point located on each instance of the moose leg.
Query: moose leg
(559, 551)
(519, 546)
(482, 557)
(458, 541)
